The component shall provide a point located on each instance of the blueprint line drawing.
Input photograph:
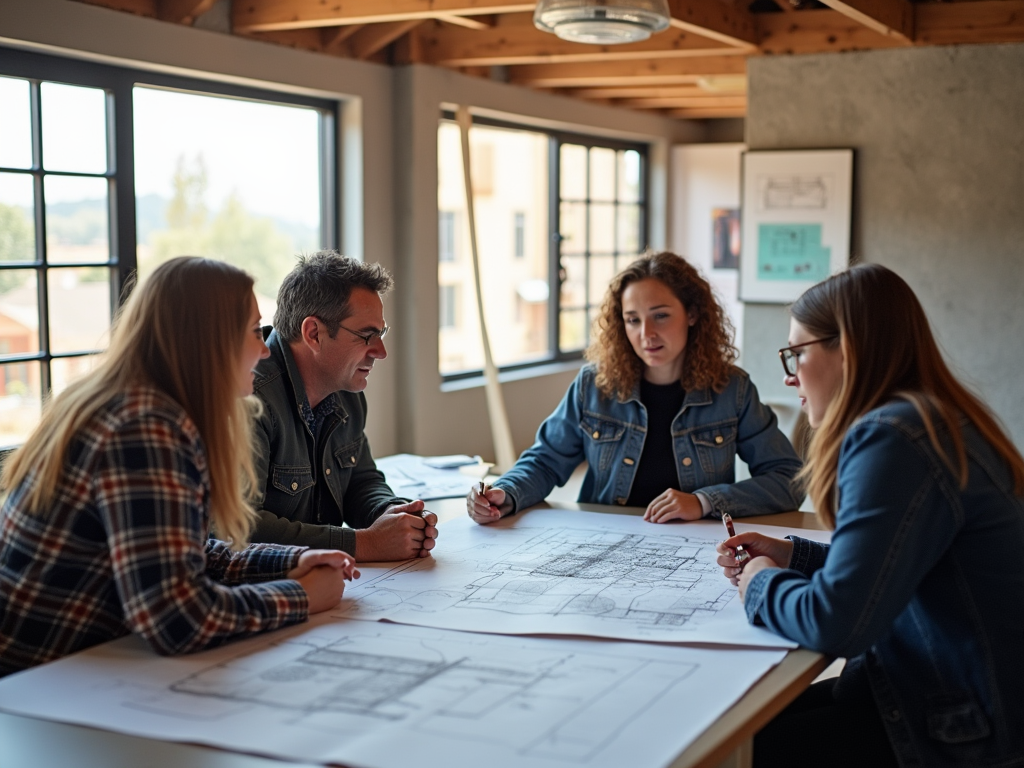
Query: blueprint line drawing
(382, 695)
(447, 688)
(600, 575)
(808, 192)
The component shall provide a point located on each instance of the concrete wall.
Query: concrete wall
(938, 192)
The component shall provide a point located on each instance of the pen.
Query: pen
(741, 554)
(482, 487)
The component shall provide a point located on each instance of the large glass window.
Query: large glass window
(552, 209)
(105, 169)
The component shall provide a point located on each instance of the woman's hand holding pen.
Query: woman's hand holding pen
(765, 552)
(486, 504)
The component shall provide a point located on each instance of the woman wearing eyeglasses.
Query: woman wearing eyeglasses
(659, 414)
(110, 503)
(922, 586)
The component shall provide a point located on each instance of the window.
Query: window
(585, 200)
(449, 306)
(446, 232)
(81, 205)
(520, 235)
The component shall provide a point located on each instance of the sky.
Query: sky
(267, 153)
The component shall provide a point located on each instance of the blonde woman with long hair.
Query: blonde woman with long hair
(922, 586)
(659, 414)
(109, 505)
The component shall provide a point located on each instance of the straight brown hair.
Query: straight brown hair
(889, 352)
(181, 332)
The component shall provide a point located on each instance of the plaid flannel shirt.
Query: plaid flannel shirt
(125, 548)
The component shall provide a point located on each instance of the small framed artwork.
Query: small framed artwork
(725, 223)
(796, 221)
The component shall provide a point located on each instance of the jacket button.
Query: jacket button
(595, 434)
(718, 439)
(327, 471)
(295, 486)
(351, 459)
(628, 461)
(621, 501)
(687, 461)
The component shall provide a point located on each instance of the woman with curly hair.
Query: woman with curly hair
(658, 414)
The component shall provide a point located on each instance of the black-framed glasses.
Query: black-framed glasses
(788, 355)
(368, 337)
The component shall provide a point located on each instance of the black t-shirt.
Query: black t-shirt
(656, 471)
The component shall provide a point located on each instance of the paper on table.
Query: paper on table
(410, 476)
(562, 572)
(379, 695)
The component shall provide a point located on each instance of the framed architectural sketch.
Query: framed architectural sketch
(796, 221)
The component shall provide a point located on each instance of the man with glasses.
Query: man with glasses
(313, 463)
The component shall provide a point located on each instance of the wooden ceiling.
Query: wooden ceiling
(695, 69)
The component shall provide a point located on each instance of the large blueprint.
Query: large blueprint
(567, 572)
(379, 695)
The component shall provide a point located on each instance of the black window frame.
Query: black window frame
(556, 138)
(118, 82)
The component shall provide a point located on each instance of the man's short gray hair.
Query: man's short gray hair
(320, 286)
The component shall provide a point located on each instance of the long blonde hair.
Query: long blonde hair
(181, 332)
(889, 352)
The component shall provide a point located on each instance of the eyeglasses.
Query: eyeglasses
(368, 337)
(788, 355)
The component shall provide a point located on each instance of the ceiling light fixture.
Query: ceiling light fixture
(602, 22)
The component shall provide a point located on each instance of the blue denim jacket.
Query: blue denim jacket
(708, 432)
(923, 585)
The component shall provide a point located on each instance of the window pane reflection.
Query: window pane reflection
(17, 218)
(79, 308)
(19, 312)
(20, 402)
(83, 150)
(77, 219)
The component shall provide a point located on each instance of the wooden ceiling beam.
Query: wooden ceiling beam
(686, 102)
(262, 15)
(705, 113)
(515, 40)
(375, 37)
(138, 7)
(894, 18)
(633, 92)
(818, 31)
(182, 11)
(333, 39)
(303, 39)
(471, 22)
(626, 73)
(729, 24)
(984, 21)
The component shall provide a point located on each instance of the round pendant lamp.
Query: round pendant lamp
(602, 22)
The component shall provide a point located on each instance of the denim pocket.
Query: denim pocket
(347, 456)
(716, 451)
(291, 480)
(601, 437)
(956, 720)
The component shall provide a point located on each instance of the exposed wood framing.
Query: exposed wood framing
(894, 18)
(471, 22)
(261, 15)
(375, 37)
(661, 72)
(182, 11)
(333, 39)
(515, 40)
(138, 7)
(729, 24)
(817, 31)
(986, 21)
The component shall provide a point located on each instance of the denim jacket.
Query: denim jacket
(708, 432)
(293, 471)
(922, 587)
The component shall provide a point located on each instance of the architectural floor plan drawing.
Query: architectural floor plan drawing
(380, 695)
(561, 572)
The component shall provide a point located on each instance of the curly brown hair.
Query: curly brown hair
(710, 353)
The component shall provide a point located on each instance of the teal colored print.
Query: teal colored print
(791, 252)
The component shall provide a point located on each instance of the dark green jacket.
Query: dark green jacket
(307, 491)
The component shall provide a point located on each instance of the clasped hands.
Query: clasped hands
(765, 552)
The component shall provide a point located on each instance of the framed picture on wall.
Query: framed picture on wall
(795, 221)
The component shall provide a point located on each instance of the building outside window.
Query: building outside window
(585, 199)
(105, 170)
